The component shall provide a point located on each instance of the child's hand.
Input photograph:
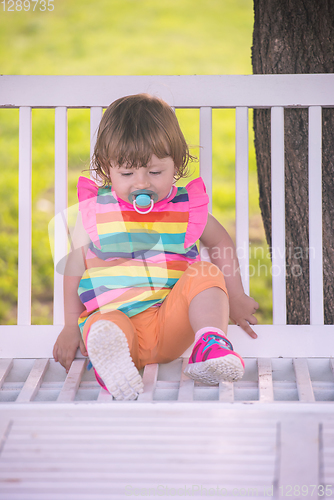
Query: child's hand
(242, 309)
(66, 346)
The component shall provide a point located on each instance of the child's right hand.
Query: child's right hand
(66, 346)
(242, 309)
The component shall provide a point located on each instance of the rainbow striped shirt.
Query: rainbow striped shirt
(134, 260)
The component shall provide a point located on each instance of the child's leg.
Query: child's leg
(182, 313)
(112, 347)
(213, 358)
(198, 308)
(209, 309)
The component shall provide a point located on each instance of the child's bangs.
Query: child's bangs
(136, 152)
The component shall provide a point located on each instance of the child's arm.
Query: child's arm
(222, 252)
(70, 338)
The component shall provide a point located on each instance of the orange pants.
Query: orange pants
(161, 334)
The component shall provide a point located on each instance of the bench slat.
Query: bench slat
(187, 91)
(33, 382)
(104, 396)
(186, 389)
(331, 364)
(149, 379)
(36, 341)
(5, 367)
(304, 384)
(72, 382)
(299, 455)
(266, 390)
(226, 392)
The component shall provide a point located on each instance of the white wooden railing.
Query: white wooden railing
(204, 92)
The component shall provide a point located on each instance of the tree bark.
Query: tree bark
(296, 36)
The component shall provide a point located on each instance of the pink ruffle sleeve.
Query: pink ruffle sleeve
(87, 195)
(198, 211)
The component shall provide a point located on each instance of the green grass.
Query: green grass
(110, 37)
(114, 37)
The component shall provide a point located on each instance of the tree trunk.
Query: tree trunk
(296, 36)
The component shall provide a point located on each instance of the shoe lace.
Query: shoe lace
(214, 338)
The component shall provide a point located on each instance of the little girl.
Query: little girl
(136, 292)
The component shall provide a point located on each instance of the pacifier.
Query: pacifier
(143, 198)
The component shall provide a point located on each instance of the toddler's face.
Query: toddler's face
(157, 176)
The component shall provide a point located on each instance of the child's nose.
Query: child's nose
(142, 182)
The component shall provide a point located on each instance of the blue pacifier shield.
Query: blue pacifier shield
(143, 197)
(143, 200)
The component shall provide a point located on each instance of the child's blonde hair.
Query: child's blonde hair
(135, 127)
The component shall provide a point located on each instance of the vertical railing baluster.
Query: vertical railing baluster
(241, 194)
(278, 215)
(60, 228)
(205, 158)
(315, 216)
(95, 118)
(25, 213)
(205, 155)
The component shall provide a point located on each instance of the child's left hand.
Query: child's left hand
(242, 309)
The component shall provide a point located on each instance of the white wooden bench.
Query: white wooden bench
(288, 366)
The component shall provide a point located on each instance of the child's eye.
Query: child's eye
(126, 174)
(156, 172)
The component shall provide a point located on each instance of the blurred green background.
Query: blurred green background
(118, 37)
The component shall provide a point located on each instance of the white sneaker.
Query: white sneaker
(109, 353)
